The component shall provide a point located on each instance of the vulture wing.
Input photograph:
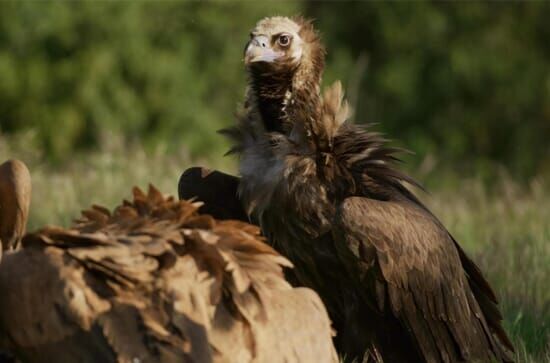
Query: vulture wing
(413, 268)
(217, 190)
(155, 281)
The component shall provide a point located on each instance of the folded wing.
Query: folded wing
(413, 269)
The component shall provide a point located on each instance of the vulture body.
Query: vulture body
(328, 196)
(155, 281)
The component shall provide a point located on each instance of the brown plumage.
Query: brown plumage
(15, 198)
(155, 281)
(327, 195)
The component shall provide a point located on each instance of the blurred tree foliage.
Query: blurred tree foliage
(468, 82)
(169, 71)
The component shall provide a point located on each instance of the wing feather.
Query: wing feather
(426, 286)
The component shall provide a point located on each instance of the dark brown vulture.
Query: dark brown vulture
(154, 281)
(328, 196)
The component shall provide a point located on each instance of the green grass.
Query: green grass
(103, 177)
(504, 226)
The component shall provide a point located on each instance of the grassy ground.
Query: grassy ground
(505, 227)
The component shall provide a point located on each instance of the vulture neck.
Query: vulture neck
(286, 96)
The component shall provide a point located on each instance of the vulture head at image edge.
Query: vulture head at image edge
(152, 281)
(328, 196)
(15, 199)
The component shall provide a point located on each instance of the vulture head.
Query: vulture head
(274, 41)
(284, 45)
(15, 193)
(284, 59)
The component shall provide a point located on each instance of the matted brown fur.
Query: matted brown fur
(328, 196)
(155, 281)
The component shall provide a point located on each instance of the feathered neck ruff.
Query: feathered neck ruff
(343, 159)
(288, 133)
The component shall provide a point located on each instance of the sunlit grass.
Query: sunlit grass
(507, 231)
(101, 177)
(505, 227)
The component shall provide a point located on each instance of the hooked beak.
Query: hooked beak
(259, 50)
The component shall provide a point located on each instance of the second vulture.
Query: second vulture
(152, 281)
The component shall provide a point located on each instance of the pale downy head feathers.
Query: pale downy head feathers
(274, 39)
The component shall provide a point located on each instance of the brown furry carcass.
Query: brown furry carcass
(328, 196)
(15, 198)
(155, 281)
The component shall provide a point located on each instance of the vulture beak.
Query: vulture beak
(259, 50)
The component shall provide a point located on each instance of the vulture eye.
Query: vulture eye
(284, 40)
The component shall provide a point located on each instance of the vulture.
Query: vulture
(328, 195)
(155, 281)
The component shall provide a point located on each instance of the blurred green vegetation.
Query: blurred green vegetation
(153, 71)
(98, 96)
(468, 82)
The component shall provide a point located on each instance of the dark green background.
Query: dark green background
(465, 85)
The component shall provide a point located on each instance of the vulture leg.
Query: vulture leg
(217, 190)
